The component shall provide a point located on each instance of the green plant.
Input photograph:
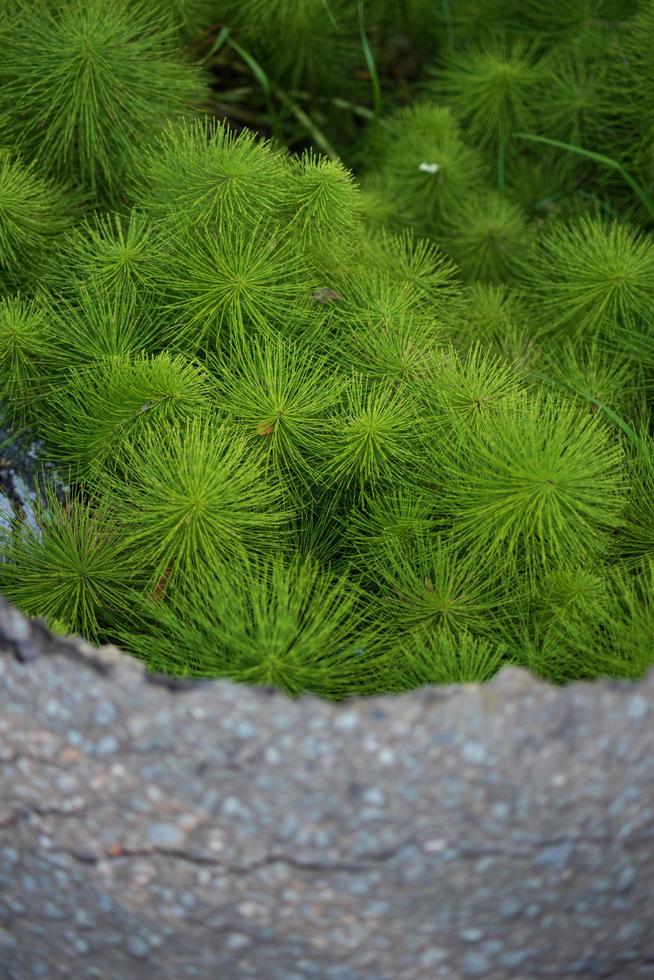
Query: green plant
(535, 485)
(592, 276)
(202, 503)
(293, 626)
(34, 214)
(73, 568)
(357, 398)
(84, 82)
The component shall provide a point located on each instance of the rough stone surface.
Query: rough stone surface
(216, 831)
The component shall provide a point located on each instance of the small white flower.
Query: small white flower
(429, 168)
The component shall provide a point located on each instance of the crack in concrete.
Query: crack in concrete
(25, 812)
(362, 864)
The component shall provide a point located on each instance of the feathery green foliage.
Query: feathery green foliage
(23, 344)
(367, 445)
(85, 82)
(34, 214)
(421, 149)
(109, 253)
(489, 88)
(293, 625)
(232, 282)
(190, 17)
(195, 500)
(279, 395)
(90, 417)
(536, 485)
(72, 569)
(429, 584)
(337, 319)
(488, 237)
(201, 172)
(431, 656)
(592, 276)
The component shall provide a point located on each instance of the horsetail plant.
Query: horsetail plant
(358, 398)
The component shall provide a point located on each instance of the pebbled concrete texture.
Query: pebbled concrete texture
(153, 830)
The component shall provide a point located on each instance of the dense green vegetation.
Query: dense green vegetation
(339, 319)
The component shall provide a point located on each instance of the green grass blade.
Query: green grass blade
(449, 27)
(264, 82)
(308, 123)
(252, 64)
(216, 46)
(370, 63)
(610, 414)
(601, 158)
(330, 14)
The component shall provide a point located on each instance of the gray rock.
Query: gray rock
(214, 830)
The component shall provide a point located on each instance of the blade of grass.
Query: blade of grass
(357, 110)
(252, 64)
(216, 46)
(610, 414)
(316, 133)
(370, 63)
(264, 82)
(449, 27)
(330, 14)
(640, 192)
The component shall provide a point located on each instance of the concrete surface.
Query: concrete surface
(212, 830)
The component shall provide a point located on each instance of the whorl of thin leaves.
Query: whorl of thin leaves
(593, 375)
(564, 595)
(592, 276)
(371, 295)
(378, 204)
(86, 325)
(400, 349)
(488, 237)
(72, 568)
(431, 168)
(369, 444)
(636, 540)
(204, 172)
(196, 500)
(292, 625)
(463, 390)
(570, 20)
(428, 584)
(400, 517)
(23, 345)
(233, 282)
(537, 485)
(86, 82)
(300, 41)
(279, 396)
(489, 88)
(614, 642)
(497, 316)
(91, 416)
(109, 252)
(324, 203)
(547, 185)
(571, 96)
(34, 214)
(629, 93)
(415, 262)
(436, 656)
(190, 17)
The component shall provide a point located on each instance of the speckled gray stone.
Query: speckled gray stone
(158, 830)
